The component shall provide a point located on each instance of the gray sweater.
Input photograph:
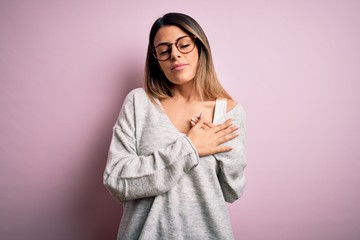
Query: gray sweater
(167, 190)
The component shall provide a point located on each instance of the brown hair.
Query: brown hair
(206, 82)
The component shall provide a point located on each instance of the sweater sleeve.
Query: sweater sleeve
(233, 163)
(131, 176)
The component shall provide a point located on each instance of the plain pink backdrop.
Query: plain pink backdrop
(67, 65)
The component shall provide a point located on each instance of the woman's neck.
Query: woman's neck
(186, 93)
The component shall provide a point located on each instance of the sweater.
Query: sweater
(167, 190)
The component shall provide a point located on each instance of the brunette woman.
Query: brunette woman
(177, 152)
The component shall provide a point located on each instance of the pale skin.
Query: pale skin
(185, 109)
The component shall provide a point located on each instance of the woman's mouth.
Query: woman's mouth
(178, 67)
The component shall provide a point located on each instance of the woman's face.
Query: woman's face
(180, 68)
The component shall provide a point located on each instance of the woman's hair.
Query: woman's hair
(206, 82)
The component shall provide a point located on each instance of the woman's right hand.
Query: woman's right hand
(208, 138)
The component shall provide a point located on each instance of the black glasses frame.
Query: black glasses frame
(153, 51)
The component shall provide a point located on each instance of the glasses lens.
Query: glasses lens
(162, 52)
(185, 44)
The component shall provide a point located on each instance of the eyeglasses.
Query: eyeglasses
(185, 45)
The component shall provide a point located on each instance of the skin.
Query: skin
(185, 109)
(185, 75)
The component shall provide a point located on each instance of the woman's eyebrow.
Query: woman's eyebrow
(166, 43)
(163, 43)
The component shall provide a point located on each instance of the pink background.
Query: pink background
(67, 65)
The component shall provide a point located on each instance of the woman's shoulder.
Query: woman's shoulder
(235, 108)
(135, 101)
(230, 105)
(138, 98)
(137, 93)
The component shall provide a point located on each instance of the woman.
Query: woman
(177, 152)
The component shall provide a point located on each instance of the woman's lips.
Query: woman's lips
(178, 67)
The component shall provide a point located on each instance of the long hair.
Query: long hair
(206, 82)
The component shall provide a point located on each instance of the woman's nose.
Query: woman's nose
(175, 53)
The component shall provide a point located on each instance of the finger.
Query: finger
(227, 138)
(220, 149)
(199, 123)
(222, 126)
(228, 130)
(194, 120)
(229, 122)
(209, 124)
(205, 127)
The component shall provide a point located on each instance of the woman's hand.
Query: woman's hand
(207, 137)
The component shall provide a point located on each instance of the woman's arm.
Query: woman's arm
(130, 176)
(233, 163)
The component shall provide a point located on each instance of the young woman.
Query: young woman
(177, 152)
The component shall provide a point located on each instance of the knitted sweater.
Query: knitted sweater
(167, 190)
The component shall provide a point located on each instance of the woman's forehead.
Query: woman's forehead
(168, 34)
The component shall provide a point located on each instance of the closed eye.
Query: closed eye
(184, 46)
(164, 52)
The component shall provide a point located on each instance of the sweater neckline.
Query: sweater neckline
(171, 123)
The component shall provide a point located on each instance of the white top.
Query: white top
(220, 108)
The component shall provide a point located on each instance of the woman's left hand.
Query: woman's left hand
(207, 124)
